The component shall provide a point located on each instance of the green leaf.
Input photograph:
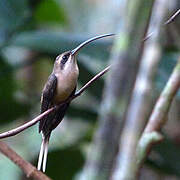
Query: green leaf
(50, 11)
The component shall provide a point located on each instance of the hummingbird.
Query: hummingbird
(60, 86)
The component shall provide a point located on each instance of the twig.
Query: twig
(172, 17)
(165, 23)
(158, 116)
(38, 118)
(146, 141)
(25, 126)
(91, 81)
(28, 169)
(162, 106)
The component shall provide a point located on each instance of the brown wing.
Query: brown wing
(55, 118)
(47, 97)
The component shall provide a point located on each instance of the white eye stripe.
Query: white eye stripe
(57, 58)
(63, 59)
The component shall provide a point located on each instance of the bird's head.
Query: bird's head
(68, 58)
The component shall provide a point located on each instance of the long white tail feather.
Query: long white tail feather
(41, 153)
(45, 155)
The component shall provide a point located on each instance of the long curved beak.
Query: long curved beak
(74, 51)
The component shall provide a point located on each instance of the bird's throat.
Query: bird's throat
(66, 83)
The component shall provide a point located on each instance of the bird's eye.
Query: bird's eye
(64, 58)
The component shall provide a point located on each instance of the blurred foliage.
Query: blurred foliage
(42, 14)
(13, 16)
(67, 160)
(167, 63)
(7, 93)
(53, 42)
(47, 28)
(165, 157)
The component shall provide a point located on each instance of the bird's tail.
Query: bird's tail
(43, 153)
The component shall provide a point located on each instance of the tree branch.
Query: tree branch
(141, 102)
(38, 118)
(157, 119)
(125, 59)
(26, 125)
(28, 169)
